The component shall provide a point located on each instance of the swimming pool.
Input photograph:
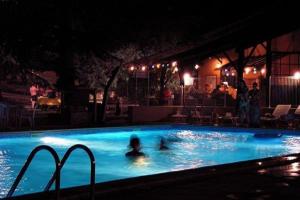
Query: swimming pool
(190, 147)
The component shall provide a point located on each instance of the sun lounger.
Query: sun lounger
(279, 112)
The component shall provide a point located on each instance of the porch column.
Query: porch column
(269, 70)
(240, 71)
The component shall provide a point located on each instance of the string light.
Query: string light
(132, 68)
(158, 66)
(153, 66)
(254, 70)
(143, 68)
(197, 66)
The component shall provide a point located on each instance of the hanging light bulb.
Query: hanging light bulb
(254, 70)
(197, 66)
(132, 68)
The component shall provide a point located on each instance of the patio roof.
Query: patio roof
(257, 61)
(244, 33)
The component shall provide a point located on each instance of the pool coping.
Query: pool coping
(149, 182)
(146, 127)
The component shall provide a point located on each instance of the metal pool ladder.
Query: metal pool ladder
(58, 166)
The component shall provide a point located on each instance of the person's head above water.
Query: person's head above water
(134, 143)
(162, 144)
(135, 146)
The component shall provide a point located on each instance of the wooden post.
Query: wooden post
(269, 71)
(240, 70)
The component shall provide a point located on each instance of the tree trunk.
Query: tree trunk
(105, 94)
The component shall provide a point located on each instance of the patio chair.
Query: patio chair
(279, 113)
(296, 119)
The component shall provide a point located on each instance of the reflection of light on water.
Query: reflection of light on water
(58, 141)
(5, 173)
(188, 165)
(294, 167)
(141, 161)
(189, 146)
(293, 144)
(186, 134)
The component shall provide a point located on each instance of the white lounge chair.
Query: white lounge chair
(297, 111)
(279, 112)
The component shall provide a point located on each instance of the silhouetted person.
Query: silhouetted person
(254, 109)
(218, 96)
(135, 147)
(242, 98)
(33, 94)
(162, 144)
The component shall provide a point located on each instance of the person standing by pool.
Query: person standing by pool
(242, 99)
(135, 147)
(34, 95)
(254, 109)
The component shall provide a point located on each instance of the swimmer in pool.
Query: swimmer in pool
(135, 147)
(162, 144)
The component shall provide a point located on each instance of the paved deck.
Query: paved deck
(281, 182)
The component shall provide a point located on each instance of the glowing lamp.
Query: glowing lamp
(197, 67)
(297, 75)
(143, 68)
(247, 70)
(218, 65)
(188, 80)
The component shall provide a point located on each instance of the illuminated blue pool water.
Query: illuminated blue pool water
(190, 147)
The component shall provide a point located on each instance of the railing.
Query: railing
(58, 166)
(27, 163)
(63, 161)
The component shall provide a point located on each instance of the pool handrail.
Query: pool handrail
(28, 162)
(65, 158)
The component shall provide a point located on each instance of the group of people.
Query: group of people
(36, 91)
(135, 147)
(248, 104)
